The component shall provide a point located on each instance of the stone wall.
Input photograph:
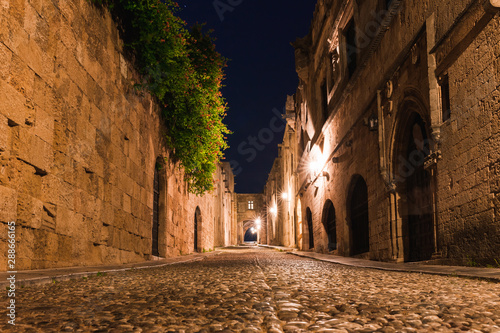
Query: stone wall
(79, 146)
(280, 189)
(274, 220)
(226, 214)
(468, 180)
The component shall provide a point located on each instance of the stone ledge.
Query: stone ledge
(490, 274)
(45, 276)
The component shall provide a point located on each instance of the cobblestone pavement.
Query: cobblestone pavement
(258, 291)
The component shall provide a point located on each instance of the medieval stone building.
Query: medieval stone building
(84, 169)
(392, 149)
(250, 214)
(281, 187)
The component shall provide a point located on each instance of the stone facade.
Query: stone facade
(80, 149)
(250, 208)
(225, 214)
(396, 132)
(284, 226)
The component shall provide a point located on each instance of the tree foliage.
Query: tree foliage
(182, 69)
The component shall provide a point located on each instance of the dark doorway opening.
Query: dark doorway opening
(197, 226)
(329, 222)
(250, 236)
(156, 210)
(360, 229)
(419, 193)
(310, 228)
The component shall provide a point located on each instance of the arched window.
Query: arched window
(329, 222)
(358, 213)
(310, 228)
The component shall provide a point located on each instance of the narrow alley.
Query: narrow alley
(251, 289)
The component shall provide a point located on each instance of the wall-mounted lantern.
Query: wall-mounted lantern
(315, 168)
(373, 122)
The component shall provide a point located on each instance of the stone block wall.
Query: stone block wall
(468, 180)
(78, 145)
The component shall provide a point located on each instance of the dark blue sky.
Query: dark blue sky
(255, 35)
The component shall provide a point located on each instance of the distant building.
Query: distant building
(250, 214)
(392, 146)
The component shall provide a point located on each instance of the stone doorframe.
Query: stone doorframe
(411, 105)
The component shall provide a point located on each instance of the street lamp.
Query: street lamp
(284, 195)
(314, 167)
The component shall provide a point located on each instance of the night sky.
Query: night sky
(255, 35)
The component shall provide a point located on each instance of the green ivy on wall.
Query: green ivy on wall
(182, 69)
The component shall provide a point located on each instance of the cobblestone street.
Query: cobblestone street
(257, 290)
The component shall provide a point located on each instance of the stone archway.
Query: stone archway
(251, 226)
(300, 241)
(414, 188)
(250, 236)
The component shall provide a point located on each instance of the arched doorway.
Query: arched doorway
(197, 229)
(358, 216)
(329, 222)
(156, 209)
(417, 192)
(251, 230)
(310, 228)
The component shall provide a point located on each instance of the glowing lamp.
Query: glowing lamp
(314, 167)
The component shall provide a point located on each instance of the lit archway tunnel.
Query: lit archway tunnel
(250, 235)
(251, 230)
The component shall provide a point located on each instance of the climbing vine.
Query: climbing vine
(182, 69)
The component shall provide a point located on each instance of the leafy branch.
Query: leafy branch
(182, 69)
